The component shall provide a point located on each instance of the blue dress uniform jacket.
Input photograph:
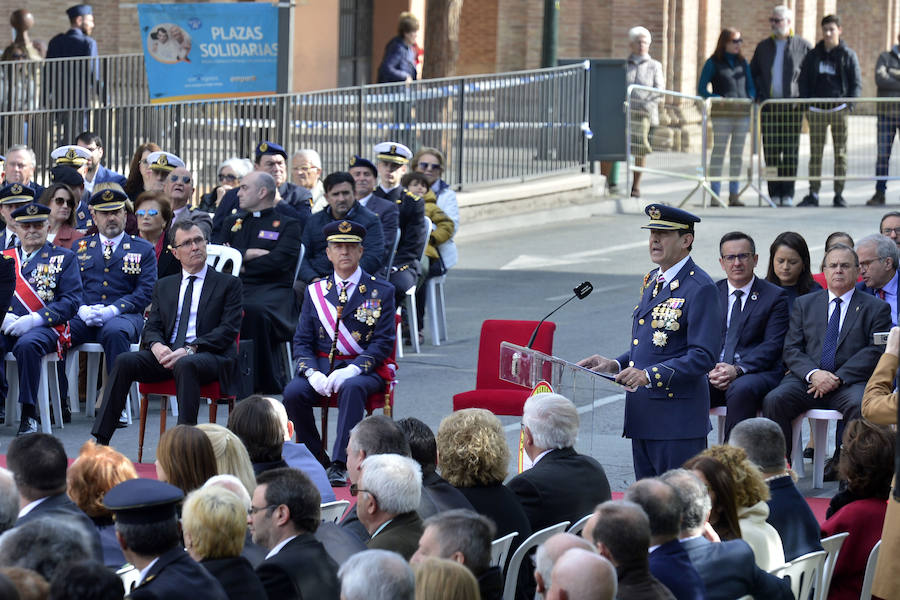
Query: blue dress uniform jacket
(676, 338)
(125, 281)
(83, 218)
(104, 175)
(389, 214)
(295, 203)
(315, 263)
(412, 226)
(176, 576)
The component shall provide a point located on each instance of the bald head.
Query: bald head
(583, 575)
(550, 551)
(662, 505)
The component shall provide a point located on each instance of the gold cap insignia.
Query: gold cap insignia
(654, 213)
(162, 160)
(352, 160)
(70, 153)
(344, 227)
(263, 147)
(393, 149)
(108, 195)
(32, 209)
(16, 188)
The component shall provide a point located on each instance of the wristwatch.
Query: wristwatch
(739, 371)
(190, 350)
(308, 372)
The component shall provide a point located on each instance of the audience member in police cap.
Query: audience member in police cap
(12, 197)
(38, 463)
(377, 575)
(147, 528)
(86, 580)
(45, 545)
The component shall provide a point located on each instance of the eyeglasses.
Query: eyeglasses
(149, 212)
(304, 169)
(865, 264)
(184, 178)
(197, 241)
(743, 257)
(253, 509)
(774, 20)
(374, 497)
(426, 166)
(91, 148)
(738, 41)
(890, 230)
(60, 201)
(227, 177)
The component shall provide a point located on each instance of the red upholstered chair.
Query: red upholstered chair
(498, 396)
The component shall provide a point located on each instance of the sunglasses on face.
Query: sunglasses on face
(175, 178)
(150, 212)
(228, 177)
(60, 201)
(425, 166)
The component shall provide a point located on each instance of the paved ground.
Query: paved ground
(524, 273)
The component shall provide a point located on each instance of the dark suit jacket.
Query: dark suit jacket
(729, 571)
(61, 507)
(398, 63)
(294, 204)
(856, 355)
(636, 582)
(177, 576)
(790, 515)
(401, 535)
(315, 263)
(562, 486)
(895, 318)
(671, 564)
(237, 577)
(761, 328)
(389, 214)
(441, 494)
(218, 318)
(300, 570)
(340, 543)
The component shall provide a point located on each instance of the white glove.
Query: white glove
(8, 320)
(319, 382)
(25, 324)
(106, 313)
(94, 316)
(339, 376)
(85, 313)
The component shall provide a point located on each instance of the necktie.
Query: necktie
(880, 293)
(829, 345)
(107, 249)
(184, 317)
(731, 336)
(345, 287)
(660, 281)
(13, 240)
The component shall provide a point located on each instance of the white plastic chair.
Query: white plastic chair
(218, 257)
(536, 539)
(435, 310)
(500, 549)
(410, 303)
(870, 572)
(720, 412)
(820, 417)
(48, 389)
(579, 524)
(333, 511)
(94, 351)
(832, 546)
(803, 572)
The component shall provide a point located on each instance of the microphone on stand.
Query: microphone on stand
(582, 291)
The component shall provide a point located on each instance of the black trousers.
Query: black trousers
(780, 125)
(189, 372)
(744, 397)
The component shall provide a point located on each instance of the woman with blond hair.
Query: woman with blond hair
(443, 579)
(231, 454)
(96, 471)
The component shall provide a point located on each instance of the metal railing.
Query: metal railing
(492, 128)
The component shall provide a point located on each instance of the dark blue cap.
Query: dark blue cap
(79, 10)
(344, 231)
(142, 501)
(107, 200)
(66, 175)
(669, 218)
(268, 147)
(31, 213)
(358, 161)
(16, 193)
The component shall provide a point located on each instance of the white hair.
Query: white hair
(635, 32)
(240, 166)
(394, 480)
(784, 12)
(281, 412)
(310, 154)
(377, 575)
(28, 152)
(232, 484)
(552, 419)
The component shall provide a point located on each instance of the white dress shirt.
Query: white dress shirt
(115, 241)
(731, 299)
(353, 280)
(278, 547)
(191, 334)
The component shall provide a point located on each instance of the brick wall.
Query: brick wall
(478, 37)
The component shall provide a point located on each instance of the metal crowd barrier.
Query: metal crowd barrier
(492, 128)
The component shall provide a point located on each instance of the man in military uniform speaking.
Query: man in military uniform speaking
(48, 292)
(676, 337)
(342, 344)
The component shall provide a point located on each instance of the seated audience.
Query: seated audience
(723, 516)
(835, 237)
(46, 544)
(465, 537)
(29, 584)
(229, 176)
(859, 509)
(96, 471)
(390, 488)
(86, 580)
(140, 177)
(431, 163)
(548, 553)
(582, 575)
(214, 524)
(669, 562)
(147, 527)
(377, 575)
(298, 456)
(283, 518)
(61, 201)
(789, 513)
(185, 458)
(727, 568)
(179, 189)
(38, 463)
(365, 175)
(9, 500)
(253, 552)
(878, 261)
(789, 266)
(306, 169)
(620, 530)
(755, 322)
(442, 579)
(751, 495)
(435, 489)
(154, 217)
(231, 455)
(561, 485)
(830, 355)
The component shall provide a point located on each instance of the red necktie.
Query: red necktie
(881, 293)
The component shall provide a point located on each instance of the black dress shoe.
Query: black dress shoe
(810, 200)
(808, 453)
(839, 201)
(337, 474)
(27, 426)
(831, 471)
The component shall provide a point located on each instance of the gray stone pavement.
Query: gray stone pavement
(524, 272)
